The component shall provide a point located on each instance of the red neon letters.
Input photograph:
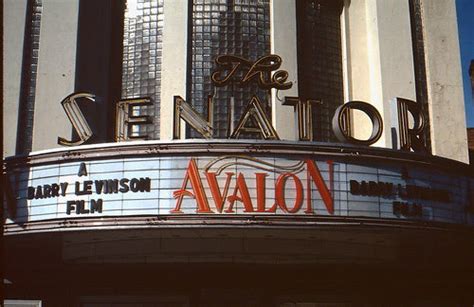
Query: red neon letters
(224, 202)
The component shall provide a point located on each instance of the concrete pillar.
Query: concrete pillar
(283, 43)
(380, 57)
(444, 82)
(13, 30)
(56, 71)
(357, 59)
(173, 67)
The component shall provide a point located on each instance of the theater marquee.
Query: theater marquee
(243, 184)
(152, 179)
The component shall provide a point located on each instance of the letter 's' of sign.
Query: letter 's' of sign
(77, 119)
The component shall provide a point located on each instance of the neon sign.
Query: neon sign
(224, 201)
(263, 72)
(240, 183)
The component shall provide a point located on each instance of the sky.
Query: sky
(465, 11)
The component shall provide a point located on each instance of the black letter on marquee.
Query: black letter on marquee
(82, 170)
(342, 119)
(96, 205)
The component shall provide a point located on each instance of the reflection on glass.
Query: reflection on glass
(320, 61)
(142, 50)
(220, 27)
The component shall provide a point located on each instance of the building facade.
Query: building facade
(235, 153)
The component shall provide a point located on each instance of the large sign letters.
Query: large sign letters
(255, 121)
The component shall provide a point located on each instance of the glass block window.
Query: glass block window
(28, 77)
(320, 61)
(219, 27)
(142, 57)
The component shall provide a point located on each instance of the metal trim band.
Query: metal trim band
(236, 221)
(196, 147)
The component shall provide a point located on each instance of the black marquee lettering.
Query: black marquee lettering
(82, 170)
(355, 187)
(31, 192)
(134, 185)
(55, 190)
(63, 188)
(145, 184)
(47, 191)
(39, 192)
(96, 206)
(99, 185)
(124, 188)
(111, 186)
(70, 205)
(87, 187)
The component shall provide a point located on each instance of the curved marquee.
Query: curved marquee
(234, 179)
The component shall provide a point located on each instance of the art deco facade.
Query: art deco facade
(235, 153)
